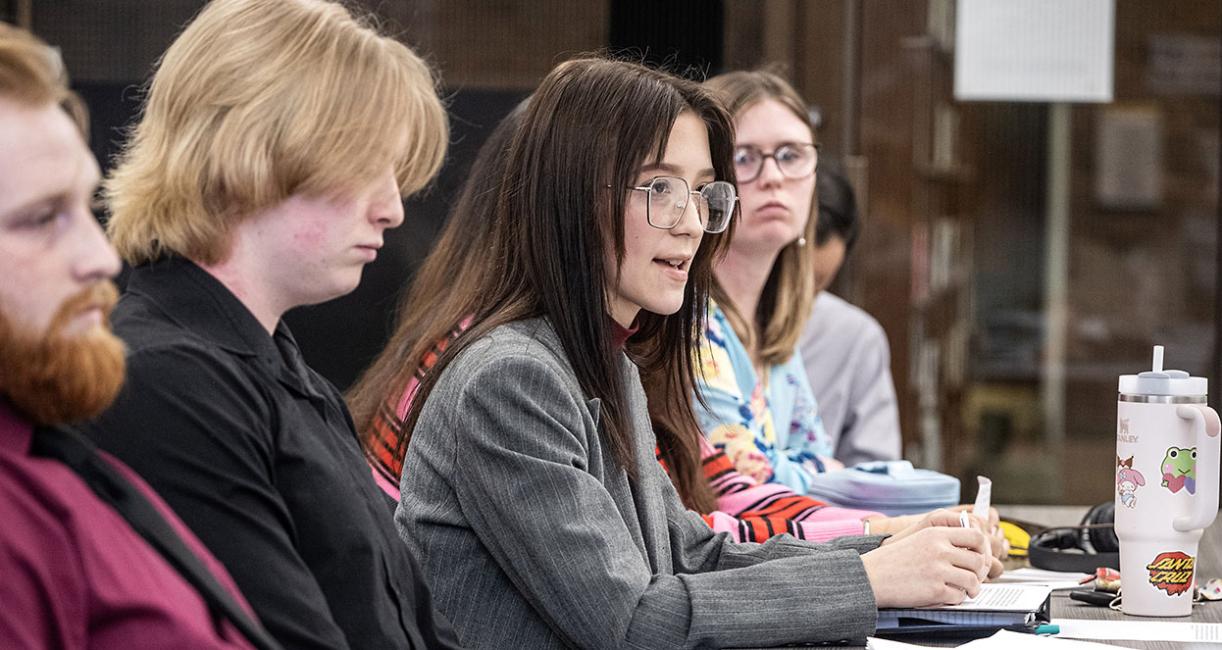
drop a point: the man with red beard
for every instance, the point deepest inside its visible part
(90, 557)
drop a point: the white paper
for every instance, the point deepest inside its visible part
(1034, 50)
(984, 497)
(1003, 640)
(1184, 632)
(1053, 579)
(1019, 641)
(1003, 598)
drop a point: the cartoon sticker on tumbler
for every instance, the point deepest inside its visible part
(1171, 572)
(1180, 469)
(1127, 482)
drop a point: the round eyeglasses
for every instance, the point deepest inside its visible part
(794, 159)
(668, 197)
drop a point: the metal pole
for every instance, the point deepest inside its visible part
(850, 83)
(1056, 278)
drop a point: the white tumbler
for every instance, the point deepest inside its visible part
(1167, 448)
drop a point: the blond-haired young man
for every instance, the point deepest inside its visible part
(276, 143)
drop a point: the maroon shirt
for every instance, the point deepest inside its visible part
(73, 573)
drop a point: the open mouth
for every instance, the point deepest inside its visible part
(676, 263)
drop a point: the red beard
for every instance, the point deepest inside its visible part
(56, 379)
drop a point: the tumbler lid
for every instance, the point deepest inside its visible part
(1163, 382)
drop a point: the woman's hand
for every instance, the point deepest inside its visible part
(910, 524)
(936, 565)
(1001, 545)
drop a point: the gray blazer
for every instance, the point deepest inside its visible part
(531, 536)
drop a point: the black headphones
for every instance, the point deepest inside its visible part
(1082, 548)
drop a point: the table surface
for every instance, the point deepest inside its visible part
(1209, 565)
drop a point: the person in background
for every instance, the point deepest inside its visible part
(844, 349)
(754, 401)
(277, 140)
(78, 568)
(706, 481)
(530, 488)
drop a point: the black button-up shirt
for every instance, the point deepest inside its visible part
(258, 455)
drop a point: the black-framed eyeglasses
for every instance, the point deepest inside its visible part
(668, 197)
(794, 159)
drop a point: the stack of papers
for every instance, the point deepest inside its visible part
(996, 606)
(1053, 579)
(1184, 632)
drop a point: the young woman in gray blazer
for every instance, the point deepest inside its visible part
(530, 489)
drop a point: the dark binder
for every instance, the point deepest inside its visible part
(945, 622)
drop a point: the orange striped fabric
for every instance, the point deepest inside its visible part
(777, 511)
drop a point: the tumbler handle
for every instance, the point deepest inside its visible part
(1205, 428)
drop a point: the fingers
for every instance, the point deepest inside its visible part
(1001, 545)
(968, 549)
(995, 544)
(966, 560)
(954, 585)
(992, 520)
(963, 581)
(996, 568)
(1001, 539)
(941, 517)
(969, 538)
(939, 565)
(949, 595)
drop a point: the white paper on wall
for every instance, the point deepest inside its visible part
(1034, 50)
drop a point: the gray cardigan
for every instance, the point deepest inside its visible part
(531, 536)
(848, 362)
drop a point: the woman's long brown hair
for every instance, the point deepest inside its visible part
(557, 216)
(435, 301)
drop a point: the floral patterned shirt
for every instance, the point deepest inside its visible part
(769, 427)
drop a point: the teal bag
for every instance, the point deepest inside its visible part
(890, 487)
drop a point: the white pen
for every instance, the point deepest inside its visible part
(963, 520)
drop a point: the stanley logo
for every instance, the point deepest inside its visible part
(1171, 572)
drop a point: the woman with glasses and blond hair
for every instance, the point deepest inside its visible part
(758, 407)
(530, 489)
(754, 401)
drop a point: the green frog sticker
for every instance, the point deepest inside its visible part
(1180, 470)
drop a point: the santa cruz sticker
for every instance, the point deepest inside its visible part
(1171, 572)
